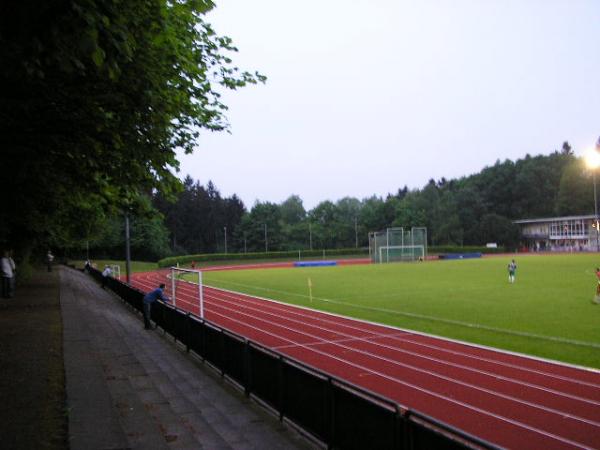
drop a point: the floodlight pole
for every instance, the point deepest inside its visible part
(310, 235)
(200, 296)
(127, 249)
(173, 295)
(596, 211)
(355, 232)
(225, 228)
(266, 242)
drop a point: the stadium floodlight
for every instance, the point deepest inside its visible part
(592, 160)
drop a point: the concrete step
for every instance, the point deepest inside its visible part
(156, 394)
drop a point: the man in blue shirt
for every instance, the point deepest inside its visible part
(149, 299)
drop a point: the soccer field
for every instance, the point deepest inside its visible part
(548, 312)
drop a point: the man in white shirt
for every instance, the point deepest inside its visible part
(49, 259)
(106, 274)
(7, 267)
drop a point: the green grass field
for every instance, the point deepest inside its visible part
(548, 312)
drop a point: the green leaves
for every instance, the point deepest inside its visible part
(97, 96)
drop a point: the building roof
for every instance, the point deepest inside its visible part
(555, 219)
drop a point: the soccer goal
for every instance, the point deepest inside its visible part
(398, 244)
(116, 271)
(186, 289)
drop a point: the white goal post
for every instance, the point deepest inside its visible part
(389, 253)
(116, 271)
(398, 244)
(177, 274)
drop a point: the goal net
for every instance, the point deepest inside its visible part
(187, 290)
(116, 271)
(398, 244)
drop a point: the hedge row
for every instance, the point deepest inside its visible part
(443, 249)
(296, 254)
(310, 254)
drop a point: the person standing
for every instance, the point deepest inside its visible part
(597, 297)
(149, 299)
(512, 270)
(106, 274)
(8, 268)
(49, 259)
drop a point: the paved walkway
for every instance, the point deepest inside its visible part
(129, 388)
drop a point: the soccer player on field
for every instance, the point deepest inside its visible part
(512, 270)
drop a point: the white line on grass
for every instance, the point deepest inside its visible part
(428, 317)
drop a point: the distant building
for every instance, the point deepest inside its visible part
(559, 234)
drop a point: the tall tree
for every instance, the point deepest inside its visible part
(96, 96)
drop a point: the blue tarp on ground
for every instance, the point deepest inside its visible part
(315, 263)
(460, 255)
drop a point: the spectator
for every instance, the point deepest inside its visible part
(106, 274)
(149, 299)
(87, 265)
(49, 259)
(8, 268)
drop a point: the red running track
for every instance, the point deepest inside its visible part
(510, 400)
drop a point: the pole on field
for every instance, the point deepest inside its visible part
(310, 289)
(266, 242)
(200, 296)
(387, 244)
(173, 284)
(127, 249)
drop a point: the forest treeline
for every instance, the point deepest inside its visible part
(471, 210)
(96, 99)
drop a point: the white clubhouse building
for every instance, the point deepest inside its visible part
(559, 234)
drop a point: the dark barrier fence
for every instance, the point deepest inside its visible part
(332, 411)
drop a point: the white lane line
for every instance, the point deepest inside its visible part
(385, 376)
(417, 388)
(430, 318)
(493, 375)
(418, 355)
(286, 307)
(561, 414)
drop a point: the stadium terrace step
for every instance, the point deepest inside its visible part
(132, 388)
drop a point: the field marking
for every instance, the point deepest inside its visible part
(401, 336)
(428, 317)
(350, 339)
(408, 333)
(303, 328)
(476, 409)
(514, 422)
(420, 333)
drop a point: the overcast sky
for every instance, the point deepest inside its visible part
(364, 97)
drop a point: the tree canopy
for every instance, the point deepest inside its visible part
(96, 97)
